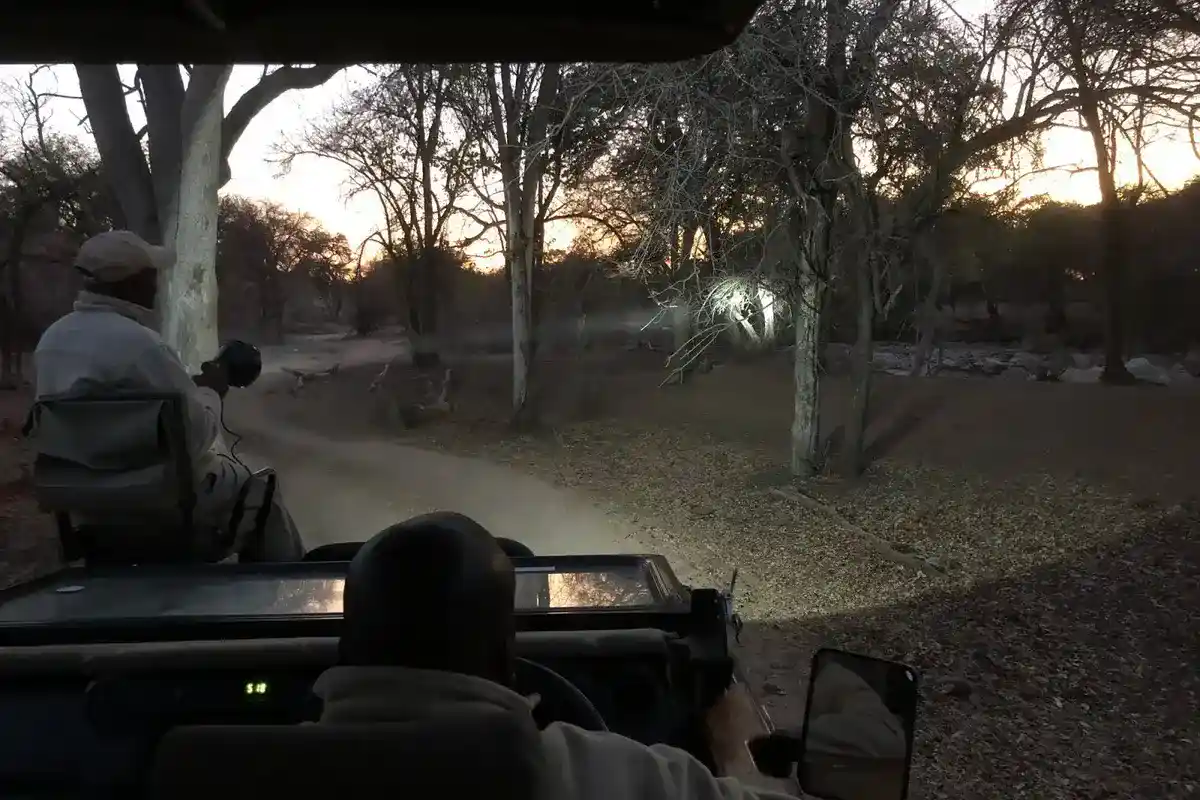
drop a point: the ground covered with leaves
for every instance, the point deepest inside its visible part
(1055, 630)
(1058, 650)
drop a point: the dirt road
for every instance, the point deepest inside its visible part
(348, 490)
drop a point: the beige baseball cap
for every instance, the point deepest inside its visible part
(113, 256)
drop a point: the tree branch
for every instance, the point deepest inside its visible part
(261, 95)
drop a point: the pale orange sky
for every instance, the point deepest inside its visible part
(315, 186)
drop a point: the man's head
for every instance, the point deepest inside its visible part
(123, 265)
(435, 592)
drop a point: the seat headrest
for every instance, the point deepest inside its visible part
(464, 755)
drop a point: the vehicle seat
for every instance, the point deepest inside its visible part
(481, 754)
(115, 472)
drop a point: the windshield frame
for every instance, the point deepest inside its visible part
(671, 602)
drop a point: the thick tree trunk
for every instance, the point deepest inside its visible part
(189, 289)
(807, 456)
(853, 460)
(125, 167)
(190, 141)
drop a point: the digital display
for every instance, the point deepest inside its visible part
(257, 688)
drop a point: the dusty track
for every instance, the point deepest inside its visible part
(348, 490)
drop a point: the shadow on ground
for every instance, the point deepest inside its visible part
(1077, 681)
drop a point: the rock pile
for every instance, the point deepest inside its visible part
(958, 360)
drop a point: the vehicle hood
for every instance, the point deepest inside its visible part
(395, 694)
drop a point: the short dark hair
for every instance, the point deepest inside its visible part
(434, 592)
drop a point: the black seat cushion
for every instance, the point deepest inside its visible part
(485, 754)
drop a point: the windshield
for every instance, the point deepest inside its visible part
(211, 595)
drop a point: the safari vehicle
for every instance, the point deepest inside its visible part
(180, 678)
(143, 664)
(195, 678)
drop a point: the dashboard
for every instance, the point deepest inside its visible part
(65, 734)
(96, 665)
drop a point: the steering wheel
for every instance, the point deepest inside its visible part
(561, 700)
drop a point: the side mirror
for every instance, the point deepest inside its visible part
(857, 738)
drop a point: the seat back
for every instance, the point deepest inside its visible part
(481, 754)
(118, 461)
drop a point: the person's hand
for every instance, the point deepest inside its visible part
(213, 375)
(733, 721)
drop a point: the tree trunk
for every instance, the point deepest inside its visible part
(1056, 300)
(806, 401)
(770, 316)
(1112, 256)
(537, 293)
(125, 167)
(522, 341)
(853, 460)
(189, 289)
(681, 325)
(11, 314)
(681, 334)
(423, 308)
(927, 324)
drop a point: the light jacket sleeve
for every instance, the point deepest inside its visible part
(587, 765)
(160, 367)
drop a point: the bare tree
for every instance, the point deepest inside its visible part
(47, 180)
(263, 248)
(683, 192)
(509, 108)
(167, 191)
(1128, 79)
(396, 138)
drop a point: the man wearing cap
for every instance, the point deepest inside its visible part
(110, 343)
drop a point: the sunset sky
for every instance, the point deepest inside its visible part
(315, 186)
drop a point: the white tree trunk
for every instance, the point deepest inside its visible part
(522, 344)
(770, 312)
(189, 291)
(806, 401)
(681, 327)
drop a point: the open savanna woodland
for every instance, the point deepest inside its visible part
(892, 305)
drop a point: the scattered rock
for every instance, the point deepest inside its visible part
(1030, 362)
(1077, 375)
(1016, 374)
(1147, 371)
(1059, 362)
(994, 366)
